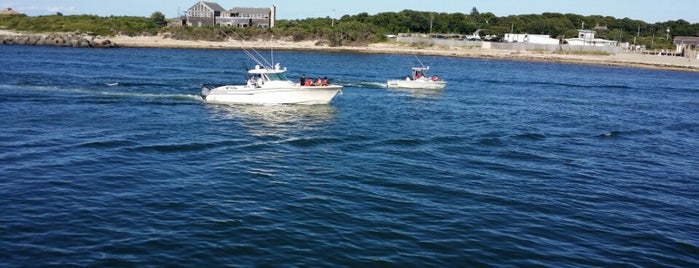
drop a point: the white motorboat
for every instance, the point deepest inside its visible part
(418, 79)
(269, 86)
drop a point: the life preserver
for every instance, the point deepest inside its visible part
(435, 78)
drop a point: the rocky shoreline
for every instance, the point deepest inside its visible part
(57, 39)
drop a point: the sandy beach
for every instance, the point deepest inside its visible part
(628, 59)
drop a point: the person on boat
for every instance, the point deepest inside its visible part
(251, 81)
(319, 82)
(303, 79)
(407, 78)
(309, 82)
(325, 82)
(260, 82)
(417, 74)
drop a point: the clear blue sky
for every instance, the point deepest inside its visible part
(648, 11)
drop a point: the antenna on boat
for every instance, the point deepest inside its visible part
(418, 60)
(271, 49)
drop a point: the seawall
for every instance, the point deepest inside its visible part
(57, 39)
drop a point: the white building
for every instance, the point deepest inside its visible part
(530, 38)
(587, 38)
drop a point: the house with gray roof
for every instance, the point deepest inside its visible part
(249, 17)
(203, 14)
(687, 46)
(210, 14)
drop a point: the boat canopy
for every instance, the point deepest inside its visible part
(421, 69)
(260, 70)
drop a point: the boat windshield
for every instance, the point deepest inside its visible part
(276, 77)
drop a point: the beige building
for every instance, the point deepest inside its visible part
(9, 11)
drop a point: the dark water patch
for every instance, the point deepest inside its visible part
(530, 136)
(582, 86)
(684, 127)
(626, 133)
(446, 139)
(491, 141)
(185, 147)
(313, 141)
(526, 156)
(108, 144)
(402, 142)
(553, 84)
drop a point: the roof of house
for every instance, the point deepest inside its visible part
(250, 10)
(9, 11)
(214, 6)
(692, 40)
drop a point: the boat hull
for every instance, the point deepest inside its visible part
(416, 84)
(281, 95)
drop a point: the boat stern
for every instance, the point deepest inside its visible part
(205, 90)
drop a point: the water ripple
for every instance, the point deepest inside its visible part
(512, 164)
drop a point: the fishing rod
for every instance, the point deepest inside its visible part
(247, 52)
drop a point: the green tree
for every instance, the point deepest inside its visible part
(158, 18)
(474, 13)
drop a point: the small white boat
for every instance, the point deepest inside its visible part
(418, 79)
(269, 85)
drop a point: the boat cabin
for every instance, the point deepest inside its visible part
(419, 72)
(259, 76)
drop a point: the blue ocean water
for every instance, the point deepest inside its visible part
(110, 158)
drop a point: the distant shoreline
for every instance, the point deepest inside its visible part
(632, 60)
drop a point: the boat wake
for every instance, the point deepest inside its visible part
(82, 92)
(152, 95)
(363, 84)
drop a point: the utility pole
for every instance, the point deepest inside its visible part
(332, 25)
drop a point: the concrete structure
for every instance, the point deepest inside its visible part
(530, 38)
(587, 38)
(210, 14)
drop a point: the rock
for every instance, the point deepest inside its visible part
(68, 39)
(82, 42)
